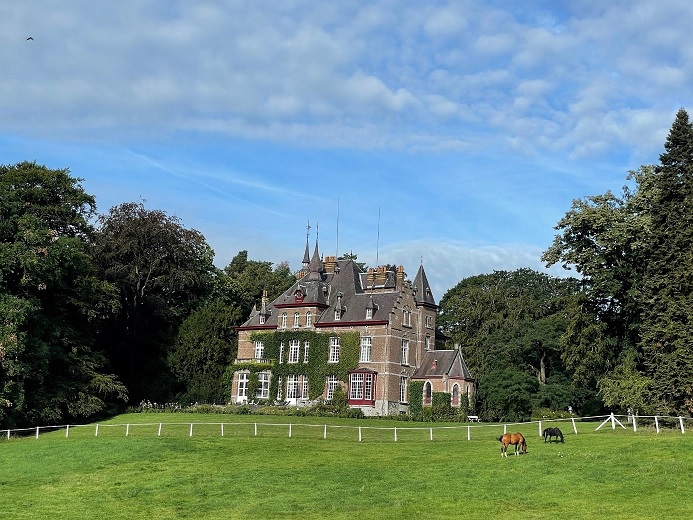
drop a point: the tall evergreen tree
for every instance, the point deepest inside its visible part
(667, 330)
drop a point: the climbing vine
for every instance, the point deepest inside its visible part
(316, 367)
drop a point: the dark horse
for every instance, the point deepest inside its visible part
(553, 432)
(512, 438)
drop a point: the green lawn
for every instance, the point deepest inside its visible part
(594, 474)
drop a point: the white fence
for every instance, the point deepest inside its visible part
(358, 432)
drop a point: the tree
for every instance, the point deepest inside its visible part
(205, 346)
(162, 272)
(667, 336)
(51, 300)
(631, 330)
(509, 320)
(252, 277)
(507, 395)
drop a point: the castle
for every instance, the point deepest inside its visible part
(369, 332)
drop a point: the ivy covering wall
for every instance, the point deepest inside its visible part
(316, 369)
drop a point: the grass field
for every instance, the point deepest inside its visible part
(143, 475)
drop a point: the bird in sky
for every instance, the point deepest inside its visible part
(30, 38)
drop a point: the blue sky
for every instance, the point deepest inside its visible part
(450, 133)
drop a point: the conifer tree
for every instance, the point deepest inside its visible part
(667, 327)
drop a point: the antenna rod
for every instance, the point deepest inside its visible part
(377, 242)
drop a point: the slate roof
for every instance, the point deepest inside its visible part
(439, 363)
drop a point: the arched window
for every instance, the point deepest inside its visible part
(428, 393)
(455, 395)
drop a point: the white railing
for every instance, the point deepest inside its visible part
(223, 427)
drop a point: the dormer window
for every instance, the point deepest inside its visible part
(299, 295)
(369, 313)
(337, 314)
(371, 307)
(262, 319)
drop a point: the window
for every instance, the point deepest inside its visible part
(332, 383)
(294, 347)
(282, 323)
(242, 384)
(429, 322)
(356, 386)
(304, 391)
(259, 350)
(361, 388)
(406, 317)
(281, 352)
(369, 313)
(405, 352)
(292, 386)
(263, 379)
(337, 314)
(366, 349)
(309, 319)
(428, 343)
(262, 319)
(306, 348)
(296, 321)
(402, 389)
(334, 351)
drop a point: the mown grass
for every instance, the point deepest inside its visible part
(594, 474)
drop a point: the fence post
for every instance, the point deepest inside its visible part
(127, 430)
(656, 424)
(635, 427)
(539, 428)
(681, 423)
(469, 433)
(255, 429)
(222, 429)
(8, 434)
(359, 434)
(96, 434)
(574, 428)
(67, 431)
(431, 433)
(191, 425)
(324, 432)
(37, 432)
(505, 428)
(395, 433)
(158, 434)
(289, 430)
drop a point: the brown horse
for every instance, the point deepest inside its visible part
(512, 438)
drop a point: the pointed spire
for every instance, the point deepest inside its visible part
(316, 267)
(422, 289)
(306, 255)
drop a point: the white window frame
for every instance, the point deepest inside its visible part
(369, 313)
(281, 352)
(292, 386)
(429, 322)
(294, 349)
(335, 344)
(337, 314)
(366, 346)
(243, 385)
(405, 352)
(262, 319)
(306, 349)
(296, 320)
(282, 324)
(309, 319)
(406, 317)
(259, 350)
(304, 392)
(263, 379)
(403, 389)
(356, 383)
(332, 383)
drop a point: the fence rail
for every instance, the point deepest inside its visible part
(393, 432)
